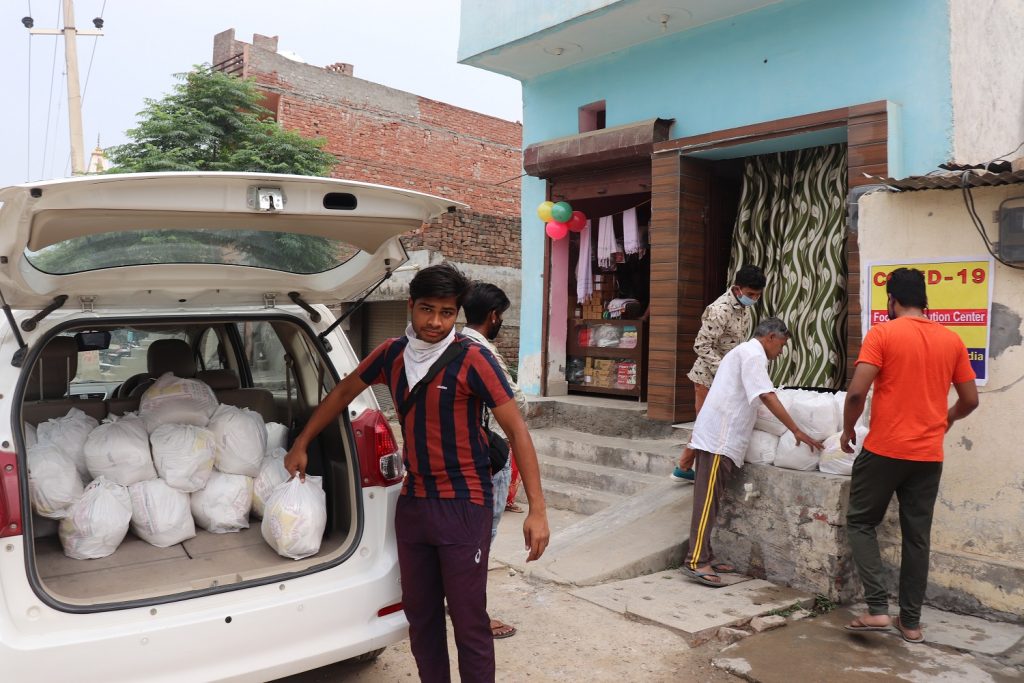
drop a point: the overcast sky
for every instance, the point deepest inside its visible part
(406, 44)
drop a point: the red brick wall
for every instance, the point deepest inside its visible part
(470, 237)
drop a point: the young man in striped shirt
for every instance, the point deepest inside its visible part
(443, 519)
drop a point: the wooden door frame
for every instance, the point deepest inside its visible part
(867, 138)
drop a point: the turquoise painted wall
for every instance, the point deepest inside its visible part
(793, 59)
(487, 24)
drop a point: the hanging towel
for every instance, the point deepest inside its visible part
(630, 233)
(605, 241)
(584, 277)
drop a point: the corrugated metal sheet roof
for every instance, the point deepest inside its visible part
(951, 180)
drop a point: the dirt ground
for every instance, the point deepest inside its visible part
(560, 638)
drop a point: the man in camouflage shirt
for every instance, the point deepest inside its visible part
(725, 324)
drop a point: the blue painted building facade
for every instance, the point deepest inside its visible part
(737, 78)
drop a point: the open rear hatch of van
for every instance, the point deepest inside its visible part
(185, 245)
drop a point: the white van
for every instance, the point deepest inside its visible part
(110, 281)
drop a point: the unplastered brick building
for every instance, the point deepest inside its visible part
(391, 137)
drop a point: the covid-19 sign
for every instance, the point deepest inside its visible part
(959, 297)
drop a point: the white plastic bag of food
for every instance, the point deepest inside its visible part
(272, 473)
(119, 450)
(31, 439)
(295, 518)
(241, 440)
(175, 400)
(98, 522)
(223, 505)
(791, 455)
(54, 484)
(161, 515)
(815, 413)
(183, 455)
(761, 448)
(69, 434)
(834, 460)
(766, 422)
(277, 436)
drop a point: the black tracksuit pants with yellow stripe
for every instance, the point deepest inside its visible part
(713, 471)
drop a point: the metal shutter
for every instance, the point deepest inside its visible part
(384, 320)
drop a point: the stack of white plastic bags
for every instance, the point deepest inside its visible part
(182, 461)
(820, 416)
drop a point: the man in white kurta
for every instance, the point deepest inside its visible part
(721, 434)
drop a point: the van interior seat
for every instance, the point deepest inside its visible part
(46, 395)
(163, 356)
(227, 389)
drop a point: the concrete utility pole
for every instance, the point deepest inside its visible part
(74, 91)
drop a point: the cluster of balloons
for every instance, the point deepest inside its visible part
(559, 219)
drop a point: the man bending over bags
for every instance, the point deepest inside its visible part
(721, 433)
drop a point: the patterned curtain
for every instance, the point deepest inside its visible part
(792, 223)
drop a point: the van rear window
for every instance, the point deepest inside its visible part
(283, 251)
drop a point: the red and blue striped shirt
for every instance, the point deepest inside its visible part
(446, 450)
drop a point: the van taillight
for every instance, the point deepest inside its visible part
(10, 499)
(380, 462)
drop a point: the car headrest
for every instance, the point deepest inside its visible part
(56, 366)
(219, 380)
(171, 355)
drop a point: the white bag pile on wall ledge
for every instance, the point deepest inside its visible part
(161, 515)
(272, 473)
(241, 440)
(223, 505)
(295, 518)
(98, 522)
(119, 450)
(762, 448)
(69, 434)
(54, 484)
(175, 400)
(834, 460)
(184, 455)
(795, 456)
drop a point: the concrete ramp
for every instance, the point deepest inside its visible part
(642, 534)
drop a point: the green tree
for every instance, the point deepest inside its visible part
(210, 122)
(215, 122)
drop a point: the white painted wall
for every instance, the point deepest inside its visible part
(987, 66)
(978, 531)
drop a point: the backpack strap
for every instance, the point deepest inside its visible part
(454, 350)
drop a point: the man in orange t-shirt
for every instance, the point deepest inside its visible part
(912, 362)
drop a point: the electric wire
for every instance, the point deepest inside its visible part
(49, 100)
(965, 189)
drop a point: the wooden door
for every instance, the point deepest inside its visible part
(680, 208)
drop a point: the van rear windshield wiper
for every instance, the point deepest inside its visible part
(19, 355)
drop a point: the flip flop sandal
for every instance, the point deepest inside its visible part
(512, 507)
(503, 631)
(858, 625)
(702, 577)
(903, 632)
(724, 568)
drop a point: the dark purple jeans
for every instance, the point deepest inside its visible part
(443, 547)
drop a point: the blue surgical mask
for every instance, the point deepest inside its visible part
(746, 300)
